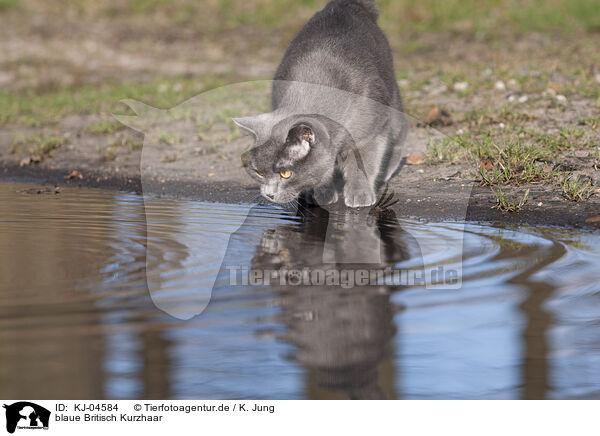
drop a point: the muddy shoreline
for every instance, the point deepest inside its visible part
(432, 200)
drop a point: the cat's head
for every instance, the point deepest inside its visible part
(290, 155)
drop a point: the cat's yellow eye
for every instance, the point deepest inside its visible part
(285, 174)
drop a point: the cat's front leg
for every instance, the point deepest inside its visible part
(358, 194)
(325, 195)
(359, 179)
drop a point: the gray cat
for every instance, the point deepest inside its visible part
(336, 123)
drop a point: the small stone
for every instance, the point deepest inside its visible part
(523, 99)
(513, 84)
(403, 83)
(502, 125)
(551, 92)
(511, 98)
(540, 204)
(461, 86)
(598, 77)
(561, 98)
(500, 86)
(435, 87)
(163, 87)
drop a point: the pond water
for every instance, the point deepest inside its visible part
(111, 295)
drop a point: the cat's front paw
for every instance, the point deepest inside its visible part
(324, 197)
(359, 197)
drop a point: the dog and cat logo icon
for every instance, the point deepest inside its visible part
(26, 415)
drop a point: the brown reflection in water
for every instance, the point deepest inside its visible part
(342, 336)
(534, 366)
(50, 343)
(156, 364)
(535, 372)
(52, 329)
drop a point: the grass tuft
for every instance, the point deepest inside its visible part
(104, 127)
(39, 146)
(506, 204)
(576, 190)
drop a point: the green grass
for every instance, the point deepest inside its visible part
(7, 5)
(505, 203)
(399, 17)
(576, 190)
(566, 139)
(104, 127)
(31, 108)
(542, 15)
(512, 163)
(168, 138)
(516, 164)
(39, 146)
(444, 150)
(129, 142)
(126, 142)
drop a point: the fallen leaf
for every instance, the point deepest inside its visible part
(415, 160)
(593, 220)
(487, 164)
(74, 175)
(436, 117)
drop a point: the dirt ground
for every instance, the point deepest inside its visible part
(540, 90)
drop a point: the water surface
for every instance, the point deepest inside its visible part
(79, 317)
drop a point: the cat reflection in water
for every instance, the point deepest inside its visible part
(342, 336)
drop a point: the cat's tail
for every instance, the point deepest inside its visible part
(369, 6)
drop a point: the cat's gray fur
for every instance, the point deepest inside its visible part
(337, 121)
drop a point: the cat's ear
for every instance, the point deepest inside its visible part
(302, 134)
(254, 126)
(301, 138)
